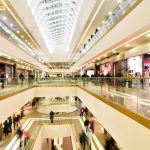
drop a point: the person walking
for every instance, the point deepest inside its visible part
(83, 140)
(86, 124)
(52, 145)
(92, 125)
(6, 128)
(81, 111)
(10, 124)
(19, 134)
(86, 112)
(2, 76)
(21, 77)
(25, 135)
(52, 116)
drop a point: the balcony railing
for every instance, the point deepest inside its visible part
(131, 93)
(119, 11)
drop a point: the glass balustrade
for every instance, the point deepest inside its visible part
(119, 11)
(131, 93)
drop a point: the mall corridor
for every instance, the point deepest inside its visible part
(74, 74)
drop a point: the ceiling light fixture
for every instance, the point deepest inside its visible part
(98, 27)
(129, 41)
(127, 45)
(110, 13)
(119, 1)
(88, 26)
(11, 25)
(4, 3)
(103, 22)
(22, 36)
(148, 35)
(5, 18)
(18, 31)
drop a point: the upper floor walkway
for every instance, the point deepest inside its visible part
(117, 103)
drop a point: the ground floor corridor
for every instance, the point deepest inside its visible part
(66, 110)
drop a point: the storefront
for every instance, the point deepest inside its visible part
(147, 65)
(8, 68)
(105, 69)
(120, 68)
(135, 66)
(25, 70)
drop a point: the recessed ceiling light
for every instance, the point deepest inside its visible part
(110, 13)
(148, 35)
(119, 1)
(98, 27)
(103, 22)
(29, 43)
(11, 25)
(22, 36)
(127, 45)
(5, 18)
(18, 31)
(114, 51)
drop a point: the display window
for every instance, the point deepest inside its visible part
(134, 65)
(147, 64)
(120, 68)
(90, 72)
(105, 68)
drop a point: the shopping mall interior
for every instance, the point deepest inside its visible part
(74, 74)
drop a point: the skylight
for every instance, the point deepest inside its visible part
(56, 20)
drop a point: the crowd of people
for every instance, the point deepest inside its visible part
(13, 124)
(30, 78)
(85, 137)
(12, 120)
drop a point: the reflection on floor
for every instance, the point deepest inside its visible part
(63, 143)
(33, 113)
(136, 100)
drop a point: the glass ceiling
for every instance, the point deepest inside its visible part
(56, 20)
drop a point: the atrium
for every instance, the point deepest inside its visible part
(74, 74)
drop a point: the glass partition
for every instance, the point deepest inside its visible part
(131, 93)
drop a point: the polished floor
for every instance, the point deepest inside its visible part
(136, 100)
(74, 116)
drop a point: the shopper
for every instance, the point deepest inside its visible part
(110, 144)
(21, 77)
(19, 134)
(10, 124)
(83, 140)
(21, 112)
(81, 111)
(52, 116)
(86, 124)
(25, 136)
(92, 125)
(52, 144)
(86, 112)
(6, 128)
(2, 77)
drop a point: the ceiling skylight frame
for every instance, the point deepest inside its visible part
(54, 18)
